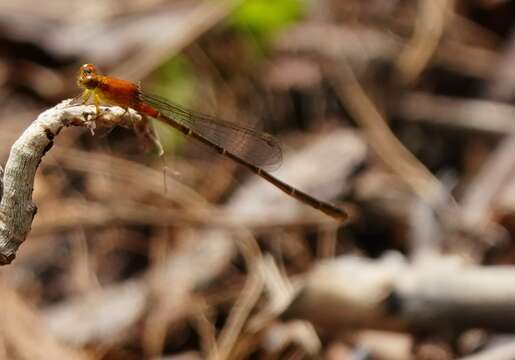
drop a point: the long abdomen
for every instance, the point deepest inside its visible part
(303, 197)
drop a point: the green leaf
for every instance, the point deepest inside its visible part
(264, 18)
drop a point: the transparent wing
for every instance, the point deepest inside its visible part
(258, 148)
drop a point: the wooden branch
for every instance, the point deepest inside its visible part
(382, 139)
(430, 25)
(503, 350)
(484, 116)
(17, 210)
(393, 294)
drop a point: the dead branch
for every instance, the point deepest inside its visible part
(17, 210)
(429, 28)
(364, 45)
(386, 145)
(392, 294)
(490, 117)
(501, 351)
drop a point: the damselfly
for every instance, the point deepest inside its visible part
(253, 149)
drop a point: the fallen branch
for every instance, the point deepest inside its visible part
(17, 210)
(395, 295)
(482, 116)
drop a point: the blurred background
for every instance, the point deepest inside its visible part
(401, 112)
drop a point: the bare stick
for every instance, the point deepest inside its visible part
(429, 27)
(479, 115)
(381, 138)
(17, 210)
(393, 294)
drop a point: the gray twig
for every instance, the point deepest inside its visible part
(17, 210)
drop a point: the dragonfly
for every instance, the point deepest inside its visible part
(253, 149)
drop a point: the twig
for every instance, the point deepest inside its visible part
(420, 49)
(479, 198)
(386, 145)
(17, 210)
(426, 235)
(364, 46)
(248, 298)
(501, 86)
(174, 36)
(490, 117)
(204, 324)
(392, 294)
(502, 351)
(239, 314)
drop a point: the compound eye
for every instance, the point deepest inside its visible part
(88, 69)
